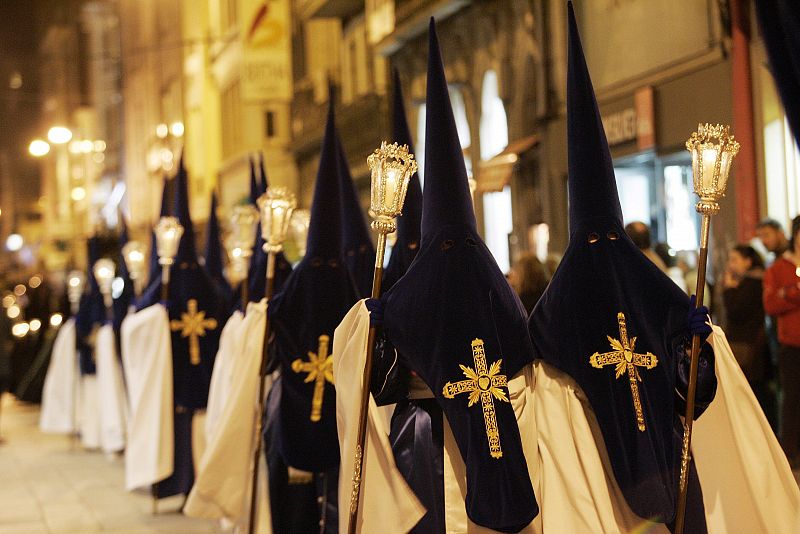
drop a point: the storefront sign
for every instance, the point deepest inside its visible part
(267, 50)
(635, 123)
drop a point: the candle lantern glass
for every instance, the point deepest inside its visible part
(168, 237)
(277, 206)
(104, 271)
(135, 257)
(391, 168)
(243, 229)
(76, 281)
(713, 149)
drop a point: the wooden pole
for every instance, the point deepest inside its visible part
(270, 286)
(365, 392)
(691, 393)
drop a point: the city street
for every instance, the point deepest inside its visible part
(50, 485)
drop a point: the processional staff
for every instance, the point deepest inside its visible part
(240, 246)
(713, 150)
(392, 167)
(276, 206)
(133, 252)
(168, 236)
(104, 270)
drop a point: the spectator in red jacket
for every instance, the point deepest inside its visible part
(782, 301)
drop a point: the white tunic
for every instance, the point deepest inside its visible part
(746, 481)
(230, 348)
(60, 393)
(112, 401)
(222, 486)
(147, 361)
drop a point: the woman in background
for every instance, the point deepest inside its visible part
(744, 309)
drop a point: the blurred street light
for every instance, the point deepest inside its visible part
(176, 129)
(14, 242)
(162, 131)
(39, 148)
(78, 194)
(58, 135)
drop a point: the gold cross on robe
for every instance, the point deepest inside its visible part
(485, 385)
(626, 360)
(320, 369)
(193, 324)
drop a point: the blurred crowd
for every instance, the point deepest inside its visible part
(34, 305)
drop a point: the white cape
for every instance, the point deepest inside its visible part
(747, 483)
(60, 393)
(147, 361)
(89, 412)
(746, 480)
(387, 503)
(231, 346)
(112, 402)
(222, 486)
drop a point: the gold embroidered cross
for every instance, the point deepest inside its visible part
(626, 360)
(193, 324)
(320, 369)
(485, 385)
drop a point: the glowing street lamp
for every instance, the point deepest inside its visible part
(59, 135)
(39, 148)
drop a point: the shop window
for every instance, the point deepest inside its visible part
(634, 194)
(679, 198)
(782, 161)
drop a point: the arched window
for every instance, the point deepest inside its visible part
(497, 217)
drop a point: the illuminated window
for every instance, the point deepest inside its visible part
(494, 123)
(497, 209)
(682, 228)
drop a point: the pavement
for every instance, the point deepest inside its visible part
(50, 485)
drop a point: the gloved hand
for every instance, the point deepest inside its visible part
(697, 320)
(375, 307)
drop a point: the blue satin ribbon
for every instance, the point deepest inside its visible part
(417, 438)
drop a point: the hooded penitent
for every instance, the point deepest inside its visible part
(197, 310)
(214, 264)
(614, 322)
(458, 324)
(359, 253)
(303, 316)
(123, 301)
(408, 232)
(91, 311)
(257, 273)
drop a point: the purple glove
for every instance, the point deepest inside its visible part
(375, 307)
(698, 320)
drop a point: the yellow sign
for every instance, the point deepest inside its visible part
(267, 51)
(625, 359)
(486, 385)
